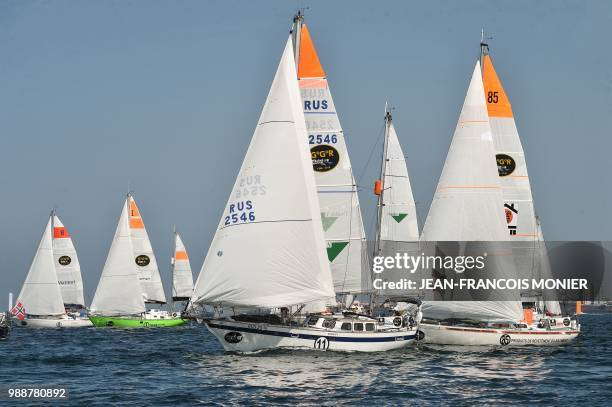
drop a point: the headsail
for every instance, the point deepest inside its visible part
(275, 197)
(67, 265)
(119, 291)
(40, 293)
(336, 186)
(398, 221)
(523, 226)
(148, 272)
(182, 279)
(466, 204)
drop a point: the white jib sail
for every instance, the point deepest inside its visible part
(119, 291)
(40, 293)
(182, 278)
(67, 265)
(144, 258)
(336, 186)
(399, 218)
(519, 207)
(466, 204)
(269, 249)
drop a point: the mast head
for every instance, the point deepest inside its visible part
(484, 44)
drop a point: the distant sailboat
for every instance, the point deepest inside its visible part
(336, 186)
(182, 278)
(523, 226)
(130, 278)
(467, 208)
(53, 284)
(268, 253)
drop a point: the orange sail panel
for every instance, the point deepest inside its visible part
(60, 232)
(309, 65)
(135, 219)
(498, 104)
(181, 255)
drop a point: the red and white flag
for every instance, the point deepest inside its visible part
(19, 311)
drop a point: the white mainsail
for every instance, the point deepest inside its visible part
(269, 250)
(67, 265)
(466, 204)
(119, 291)
(523, 227)
(148, 272)
(40, 293)
(398, 221)
(182, 278)
(336, 186)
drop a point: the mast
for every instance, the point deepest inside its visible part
(484, 47)
(379, 189)
(296, 31)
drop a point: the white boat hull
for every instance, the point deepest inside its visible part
(251, 337)
(54, 323)
(456, 335)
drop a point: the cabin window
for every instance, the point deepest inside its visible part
(346, 326)
(358, 326)
(329, 323)
(370, 327)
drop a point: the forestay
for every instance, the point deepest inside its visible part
(268, 250)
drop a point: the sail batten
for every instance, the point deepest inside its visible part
(275, 186)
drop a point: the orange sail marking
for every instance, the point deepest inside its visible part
(60, 232)
(135, 219)
(181, 255)
(498, 104)
(309, 65)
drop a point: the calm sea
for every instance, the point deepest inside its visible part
(187, 366)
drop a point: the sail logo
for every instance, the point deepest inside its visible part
(511, 217)
(142, 260)
(316, 105)
(334, 249)
(505, 164)
(324, 158)
(399, 216)
(64, 260)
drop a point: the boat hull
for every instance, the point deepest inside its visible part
(251, 337)
(54, 323)
(126, 322)
(455, 335)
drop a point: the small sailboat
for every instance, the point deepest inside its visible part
(268, 255)
(130, 279)
(470, 181)
(336, 187)
(5, 325)
(52, 294)
(524, 228)
(182, 278)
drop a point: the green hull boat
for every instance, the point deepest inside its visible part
(127, 322)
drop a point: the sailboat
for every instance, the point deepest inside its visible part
(336, 186)
(182, 278)
(524, 228)
(467, 208)
(268, 255)
(52, 293)
(130, 279)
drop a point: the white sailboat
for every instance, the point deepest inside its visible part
(53, 284)
(336, 186)
(130, 279)
(182, 278)
(268, 252)
(523, 226)
(467, 208)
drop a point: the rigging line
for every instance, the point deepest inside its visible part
(372, 150)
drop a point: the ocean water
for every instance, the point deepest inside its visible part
(187, 366)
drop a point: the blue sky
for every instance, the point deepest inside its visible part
(164, 96)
